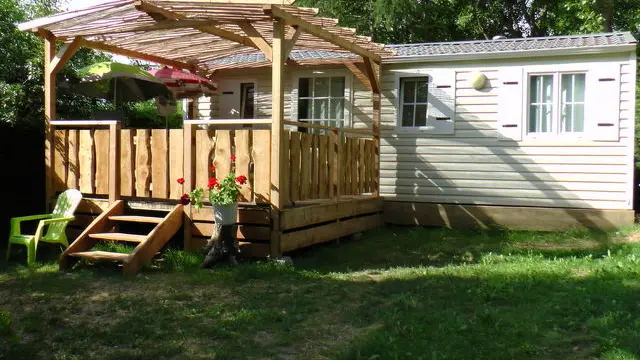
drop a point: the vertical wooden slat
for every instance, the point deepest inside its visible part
(127, 155)
(101, 140)
(285, 184)
(60, 159)
(243, 159)
(365, 163)
(143, 163)
(348, 161)
(87, 162)
(278, 158)
(49, 115)
(323, 171)
(188, 174)
(261, 155)
(203, 159)
(333, 162)
(315, 167)
(176, 163)
(294, 169)
(376, 137)
(306, 168)
(159, 164)
(114, 162)
(355, 154)
(222, 158)
(73, 170)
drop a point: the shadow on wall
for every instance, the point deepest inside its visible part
(474, 166)
(22, 181)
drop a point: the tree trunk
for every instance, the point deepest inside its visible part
(222, 245)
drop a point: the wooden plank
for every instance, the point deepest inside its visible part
(204, 145)
(261, 154)
(285, 183)
(243, 160)
(159, 164)
(189, 176)
(176, 163)
(347, 159)
(246, 215)
(114, 236)
(355, 158)
(278, 156)
(64, 54)
(114, 162)
(101, 256)
(244, 232)
(137, 219)
(127, 161)
(306, 167)
(222, 157)
(334, 164)
(293, 218)
(303, 238)
(508, 217)
(73, 160)
(361, 166)
(60, 160)
(294, 166)
(87, 162)
(49, 115)
(323, 172)
(256, 38)
(101, 140)
(376, 138)
(143, 163)
(315, 167)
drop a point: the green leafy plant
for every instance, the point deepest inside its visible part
(222, 193)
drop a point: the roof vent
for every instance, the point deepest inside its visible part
(499, 37)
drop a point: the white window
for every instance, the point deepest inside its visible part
(321, 100)
(556, 103)
(414, 99)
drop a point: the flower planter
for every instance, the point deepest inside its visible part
(225, 214)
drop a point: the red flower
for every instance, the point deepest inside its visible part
(241, 179)
(184, 199)
(212, 183)
(212, 168)
(233, 158)
(181, 181)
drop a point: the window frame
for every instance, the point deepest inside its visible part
(556, 116)
(348, 92)
(415, 103)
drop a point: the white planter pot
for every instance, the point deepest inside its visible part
(225, 215)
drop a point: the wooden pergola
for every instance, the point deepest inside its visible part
(194, 35)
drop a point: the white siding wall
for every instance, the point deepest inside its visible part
(475, 165)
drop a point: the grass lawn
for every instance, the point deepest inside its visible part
(397, 293)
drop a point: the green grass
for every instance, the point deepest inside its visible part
(397, 293)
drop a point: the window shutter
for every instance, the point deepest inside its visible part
(603, 102)
(442, 102)
(510, 101)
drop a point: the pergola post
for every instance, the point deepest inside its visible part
(278, 157)
(377, 72)
(49, 114)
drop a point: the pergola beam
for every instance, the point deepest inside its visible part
(158, 26)
(138, 55)
(291, 42)
(64, 54)
(372, 74)
(160, 14)
(256, 38)
(321, 33)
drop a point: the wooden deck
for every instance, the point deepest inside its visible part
(328, 191)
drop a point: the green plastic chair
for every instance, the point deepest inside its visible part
(55, 222)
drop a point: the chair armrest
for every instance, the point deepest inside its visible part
(51, 221)
(15, 222)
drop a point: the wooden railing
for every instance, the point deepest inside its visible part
(329, 163)
(148, 162)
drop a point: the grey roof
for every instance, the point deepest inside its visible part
(462, 47)
(514, 45)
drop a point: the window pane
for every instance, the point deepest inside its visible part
(321, 87)
(337, 87)
(578, 118)
(304, 86)
(423, 90)
(566, 89)
(321, 109)
(337, 109)
(421, 115)
(304, 109)
(408, 91)
(547, 88)
(545, 120)
(534, 89)
(407, 115)
(533, 118)
(579, 87)
(567, 116)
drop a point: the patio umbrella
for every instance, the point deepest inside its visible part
(120, 82)
(184, 84)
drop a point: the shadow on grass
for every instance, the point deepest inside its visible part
(505, 301)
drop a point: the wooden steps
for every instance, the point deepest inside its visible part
(101, 255)
(114, 236)
(103, 229)
(137, 219)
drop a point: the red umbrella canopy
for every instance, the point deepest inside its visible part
(184, 84)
